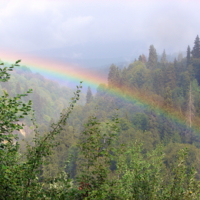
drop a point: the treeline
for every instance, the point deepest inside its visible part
(163, 85)
(170, 80)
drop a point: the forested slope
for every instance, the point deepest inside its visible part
(138, 137)
(49, 97)
(157, 101)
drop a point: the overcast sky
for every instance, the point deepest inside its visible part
(97, 29)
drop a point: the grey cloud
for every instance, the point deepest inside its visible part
(82, 28)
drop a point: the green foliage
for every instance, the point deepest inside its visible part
(196, 48)
(19, 180)
(114, 77)
(141, 121)
(4, 75)
(137, 74)
(168, 98)
(96, 151)
(138, 176)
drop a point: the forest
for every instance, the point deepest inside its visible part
(136, 138)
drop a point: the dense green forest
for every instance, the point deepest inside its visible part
(137, 138)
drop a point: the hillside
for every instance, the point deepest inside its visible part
(138, 137)
(49, 97)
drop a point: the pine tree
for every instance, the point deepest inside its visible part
(153, 59)
(188, 55)
(163, 58)
(196, 48)
(195, 60)
(89, 96)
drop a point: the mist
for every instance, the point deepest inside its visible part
(97, 33)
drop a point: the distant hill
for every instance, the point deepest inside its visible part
(49, 97)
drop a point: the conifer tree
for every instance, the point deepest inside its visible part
(89, 96)
(188, 55)
(153, 59)
(163, 58)
(195, 60)
(196, 48)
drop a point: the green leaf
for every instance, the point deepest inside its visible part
(18, 61)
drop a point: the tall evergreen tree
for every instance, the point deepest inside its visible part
(195, 60)
(89, 96)
(153, 59)
(196, 48)
(163, 58)
(188, 55)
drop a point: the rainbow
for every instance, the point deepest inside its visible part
(55, 69)
(76, 74)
